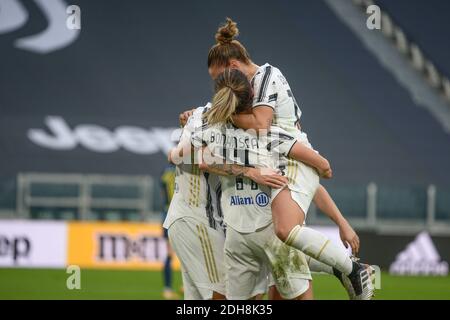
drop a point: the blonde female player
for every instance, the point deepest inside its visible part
(275, 104)
(195, 220)
(195, 226)
(252, 250)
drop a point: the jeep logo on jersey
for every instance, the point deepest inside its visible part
(122, 248)
(262, 199)
(99, 139)
(57, 35)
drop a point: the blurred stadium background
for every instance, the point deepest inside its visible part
(86, 117)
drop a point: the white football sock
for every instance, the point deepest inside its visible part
(315, 244)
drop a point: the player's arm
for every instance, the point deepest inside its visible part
(184, 148)
(177, 154)
(264, 104)
(184, 117)
(259, 119)
(325, 203)
(215, 165)
(302, 153)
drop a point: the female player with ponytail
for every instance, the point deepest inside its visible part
(274, 104)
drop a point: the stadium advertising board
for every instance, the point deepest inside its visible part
(28, 244)
(47, 244)
(50, 244)
(420, 254)
(116, 245)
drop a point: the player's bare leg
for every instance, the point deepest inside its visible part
(218, 296)
(288, 220)
(286, 214)
(274, 294)
(308, 295)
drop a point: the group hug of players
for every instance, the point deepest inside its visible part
(246, 175)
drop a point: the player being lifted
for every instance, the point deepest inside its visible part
(195, 219)
(274, 103)
(292, 275)
(227, 103)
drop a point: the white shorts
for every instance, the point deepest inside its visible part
(251, 257)
(303, 184)
(200, 250)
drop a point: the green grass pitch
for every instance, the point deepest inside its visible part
(107, 284)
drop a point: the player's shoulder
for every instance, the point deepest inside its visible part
(198, 112)
(268, 69)
(196, 119)
(268, 72)
(278, 76)
(204, 108)
(263, 71)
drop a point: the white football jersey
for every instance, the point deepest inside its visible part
(195, 191)
(245, 204)
(272, 89)
(266, 149)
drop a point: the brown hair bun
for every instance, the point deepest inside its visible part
(226, 33)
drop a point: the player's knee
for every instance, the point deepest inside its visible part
(282, 232)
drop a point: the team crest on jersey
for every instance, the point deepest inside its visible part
(262, 199)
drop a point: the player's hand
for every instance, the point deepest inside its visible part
(349, 237)
(325, 170)
(267, 177)
(183, 118)
(327, 174)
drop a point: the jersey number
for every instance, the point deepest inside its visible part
(240, 184)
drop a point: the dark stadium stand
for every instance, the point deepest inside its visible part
(141, 65)
(426, 23)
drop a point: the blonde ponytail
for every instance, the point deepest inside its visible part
(233, 94)
(223, 107)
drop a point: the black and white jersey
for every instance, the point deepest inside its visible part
(197, 193)
(246, 205)
(249, 148)
(272, 89)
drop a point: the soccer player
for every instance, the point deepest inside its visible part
(291, 267)
(252, 250)
(195, 225)
(195, 219)
(275, 103)
(167, 190)
(303, 183)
